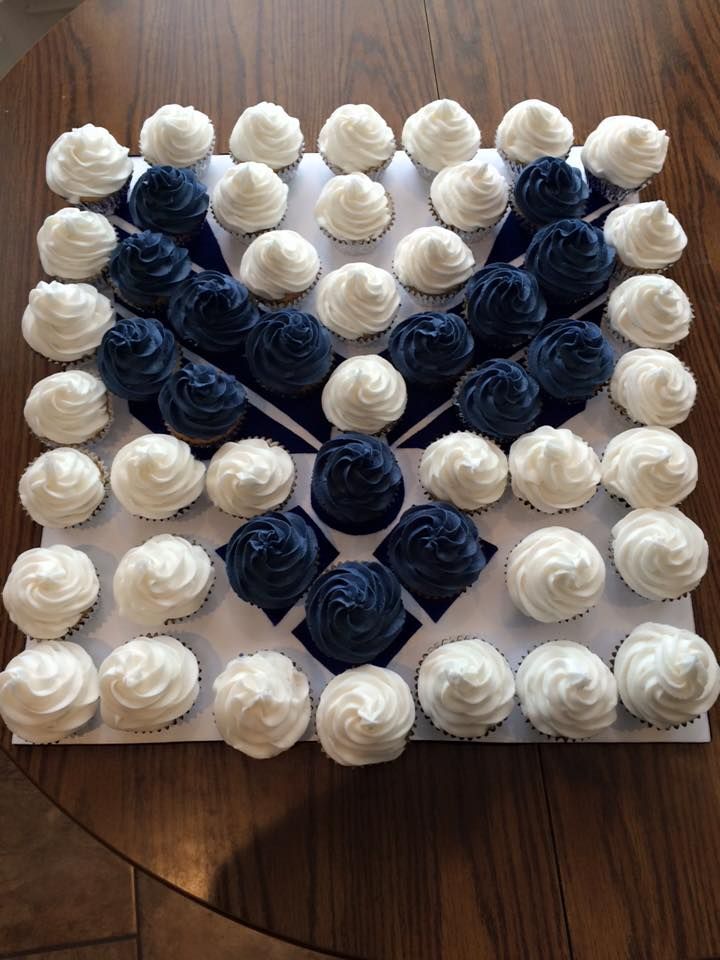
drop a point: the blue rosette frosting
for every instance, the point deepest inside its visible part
(289, 352)
(135, 358)
(550, 189)
(147, 268)
(570, 260)
(499, 398)
(169, 200)
(431, 347)
(212, 312)
(571, 359)
(202, 404)
(504, 306)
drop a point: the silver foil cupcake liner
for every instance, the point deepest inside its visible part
(286, 173)
(244, 236)
(468, 236)
(375, 173)
(105, 205)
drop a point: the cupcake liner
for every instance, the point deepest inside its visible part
(275, 507)
(206, 444)
(99, 280)
(362, 246)
(290, 299)
(105, 205)
(468, 236)
(373, 172)
(424, 171)
(82, 620)
(556, 623)
(366, 337)
(155, 309)
(612, 192)
(554, 513)
(244, 236)
(475, 511)
(286, 173)
(59, 365)
(515, 167)
(432, 299)
(622, 271)
(174, 516)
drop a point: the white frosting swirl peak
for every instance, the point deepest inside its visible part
(279, 263)
(249, 477)
(653, 387)
(356, 138)
(75, 244)
(66, 321)
(62, 487)
(553, 469)
(650, 311)
(67, 408)
(353, 207)
(87, 163)
(625, 151)
(357, 300)
(364, 393)
(156, 475)
(533, 129)
(433, 260)
(646, 235)
(649, 467)
(267, 134)
(470, 196)
(465, 470)
(177, 136)
(440, 134)
(249, 197)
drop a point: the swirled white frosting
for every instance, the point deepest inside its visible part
(48, 691)
(465, 470)
(249, 477)
(470, 196)
(625, 151)
(666, 675)
(147, 683)
(364, 393)
(646, 235)
(649, 467)
(433, 260)
(249, 197)
(553, 469)
(653, 387)
(177, 136)
(87, 163)
(165, 578)
(566, 690)
(267, 134)
(357, 300)
(650, 311)
(356, 138)
(62, 487)
(67, 407)
(262, 704)
(365, 716)
(279, 263)
(353, 207)
(75, 244)
(49, 589)
(465, 687)
(660, 554)
(66, 321)
(156, 475)
(533, 129)
(555, 574)
(440, 134)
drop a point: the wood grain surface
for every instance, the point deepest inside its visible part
(455, 851)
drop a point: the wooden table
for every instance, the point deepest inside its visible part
(455, 851)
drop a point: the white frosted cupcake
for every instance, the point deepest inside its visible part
(267, 134)
(649, 467)
(62, 487)
(364, 393)
(433, 264)
(464, 469)
(48, 691)
(553, 470)
(356, 139)
(87, 166)
(623, 154)
(178, 137)
(65, 322)
(68, 408)
(156, 476)
(438, 135)
(76, 245)
(358, 301)
(646, 237)
(262, 704)
(279, 268)
(249, 477)
(354, 211)
(532, 129)
(249, 199)
(653, 388)
(469, 198)
(649, 311)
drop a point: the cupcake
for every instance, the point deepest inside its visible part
(649, 311)
(354, 211)
(555, 574)
(249, 199)
(65, 322)
(136, 357)
(433, 264)
(147, 683)
(250, 477)
(166, 578)
(660, 554)
(50, 590)
(76, 245)
(289, 352)
(435, 551)
(357, 485)
(358, 301)
(570, 260)
(267, 134)
(431, 348)
(649, 467)
(169, 200)
(499, 398)
(212, 312)
(652, 387)
(156, 476)
(566, 691)
(354, 611)
(530, 130)
(147, 268)
(549, 189)
(202, 405)
(469, 198)
(178, 137)
(48, 691)
(465, 687)
(88, 167)
(666, 676)
(504, 306)
(365, 716)
(570, 359)
(646, 237)
(553, 470)
(280, 268)
(62, 487)
(272, 559)
(465, 470)
(356, 139)
(365, 394)
(623, 154)
(439, 135)
(68, 408)
(262, 704)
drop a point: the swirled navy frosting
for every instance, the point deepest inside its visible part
(357, 485)
(135, 358)
(431, 347)
(435, 550)
(147, 268)
(272, 559)
(289, 351)
(201, 403)
(499, 398)
(169, 200)
(504, 305)
(550, 189)
(212, 311)
(355, 611)
(570, 260)
(571, 359)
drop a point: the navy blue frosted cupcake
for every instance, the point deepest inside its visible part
(147, 268)
(212, 312)
(431, 347)
(357, 485)
(355, 611)
(571, 359)
(549, 189)
(135, 358)
(499, 399)
(202, 405)
(272, 559)
(504, 306)
(570, 260)
(169, 200)
(289, 352)
(435, 550)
